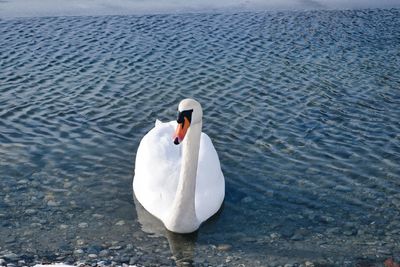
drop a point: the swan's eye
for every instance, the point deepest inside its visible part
(180, 118)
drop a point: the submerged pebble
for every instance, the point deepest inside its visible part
(52, 203)
(10, 257)
(224, 247)
(83, 225)
(30, 211)
(120, 223)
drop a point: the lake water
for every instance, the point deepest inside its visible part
(303, 109)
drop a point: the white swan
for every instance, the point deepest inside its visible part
(182, 185)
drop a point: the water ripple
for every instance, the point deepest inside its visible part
(301, 106)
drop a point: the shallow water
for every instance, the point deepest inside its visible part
(302, 107)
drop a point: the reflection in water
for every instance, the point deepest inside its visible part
(182, 246)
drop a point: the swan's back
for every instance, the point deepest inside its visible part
(157, 169)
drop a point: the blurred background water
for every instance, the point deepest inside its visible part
(302, 107)
(38, 8)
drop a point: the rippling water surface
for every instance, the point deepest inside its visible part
(303, 109)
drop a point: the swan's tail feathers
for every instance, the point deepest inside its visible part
(158, 122)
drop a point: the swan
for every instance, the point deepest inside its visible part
(178, 177)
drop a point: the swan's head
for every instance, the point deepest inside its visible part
(189, 113)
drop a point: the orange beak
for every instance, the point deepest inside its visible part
(181, 130)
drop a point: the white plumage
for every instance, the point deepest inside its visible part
(158, 171)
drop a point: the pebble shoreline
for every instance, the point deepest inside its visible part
(118, 260)
(55, 233)
(129, 256)
(133, 247)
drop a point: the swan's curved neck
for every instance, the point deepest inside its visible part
(182, 216)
